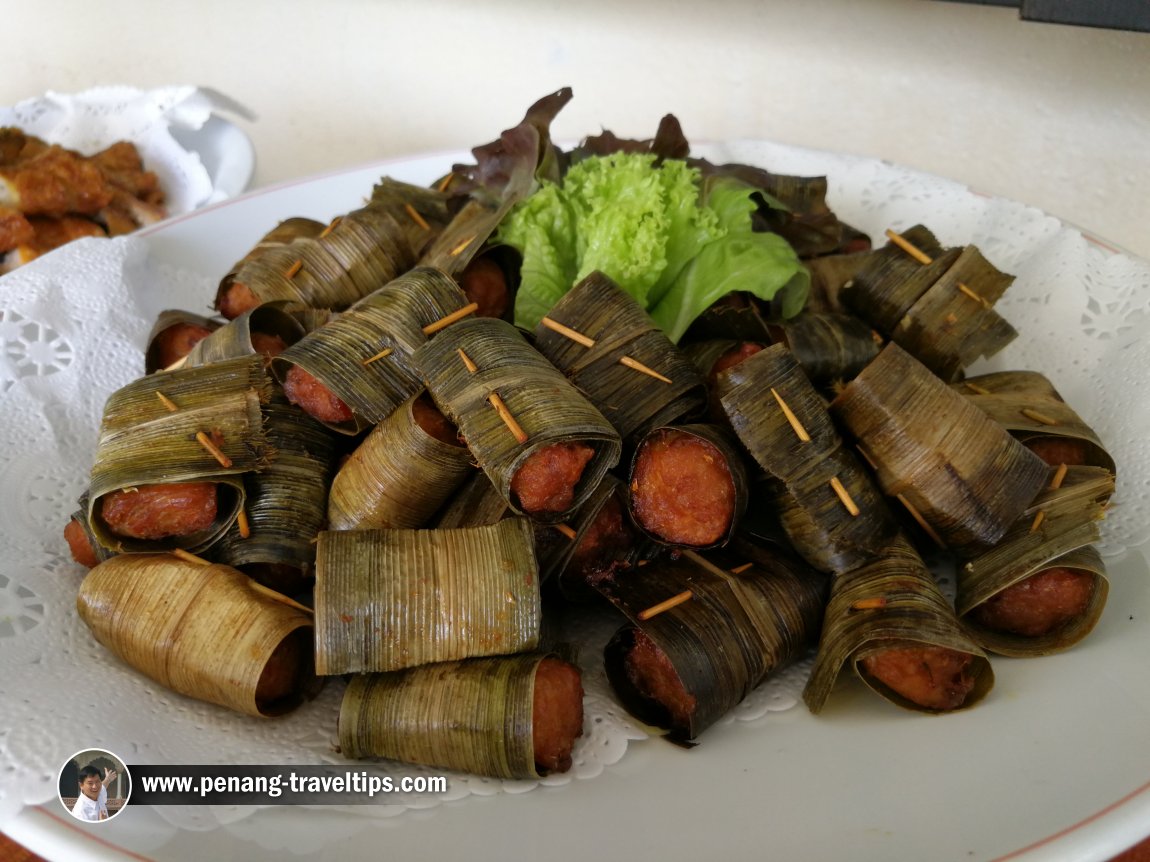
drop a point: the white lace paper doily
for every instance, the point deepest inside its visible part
(72, 330)
(95, 119)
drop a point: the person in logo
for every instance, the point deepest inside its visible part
(92, 804)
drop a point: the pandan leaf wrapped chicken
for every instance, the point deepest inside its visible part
(206, 631)
(889, 621)
(948, 462)
(352, 372)
(704, 631)
(391, 599)
(1027, 405)
(402, 472)
(542, 444)
(83, 545)
(285, 232)
(687, 485)
(829, 506)
(267, 330)
(888, 283)
(506, 717)
(421, 212)
(938, 304)
(598, 540)
(173, 336)
(172, 454)
(273, 541)
(362, 251)
(1042, 588)
(611, 349)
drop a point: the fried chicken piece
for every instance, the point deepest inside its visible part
(108, 194)
(50, 233)
(12, 142)
(14, 228)
(56, 182)
(123, 169)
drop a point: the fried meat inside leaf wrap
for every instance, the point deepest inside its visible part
(942, 312)
(390, 599)
(936, 452)
(687, 666)
(542, 444)
(351, 373)
(506, 717)
(286, 502)
(171, 456)
(1027, 405)
(892, 624)
(267, 331)
(402, 472)
(202, 630)
(687, 486)
(1042, 588)
(622, 334)
(173, 336)
(829, 506)
(362, 251)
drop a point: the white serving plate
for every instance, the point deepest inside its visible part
(1054, 764)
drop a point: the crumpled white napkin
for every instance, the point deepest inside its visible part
(94, 119)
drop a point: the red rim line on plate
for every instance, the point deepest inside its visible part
(70, 824)
(1086, 821)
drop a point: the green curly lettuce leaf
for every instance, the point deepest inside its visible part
(649, 227)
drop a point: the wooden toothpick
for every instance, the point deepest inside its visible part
(387, 351)
(414, 215)
(214, 450)
(666, 605)
(924, 258)
(495, 401)
(467, 361)
(844, 497)
(279, 597)
(449, 319)
(1038, 417)
(332, 226)
(508, 419)
(588, 342)
(1055, 484)
(565, 530)
(799, 430)
(455, 252)
(167, 402)
(189, 557)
